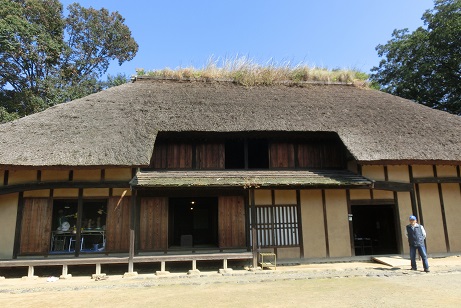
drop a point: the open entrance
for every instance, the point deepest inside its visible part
(374, 229)
(193, 222)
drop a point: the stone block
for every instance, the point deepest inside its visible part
(65, 276)
(130, 274)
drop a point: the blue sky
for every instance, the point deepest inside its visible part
(331, 34)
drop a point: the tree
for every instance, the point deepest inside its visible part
(47, 59)
(425, 65)
(113, 81)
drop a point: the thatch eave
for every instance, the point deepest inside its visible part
(248, 179)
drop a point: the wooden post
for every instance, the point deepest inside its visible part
(30, 272)
(17, 234)
(78, 235)
(98, 268)
(162, 266)
(132, 233)
(64, 270)
(131, 255)
(254, 237)
(225, 264)
(255, 250)
(194, 265)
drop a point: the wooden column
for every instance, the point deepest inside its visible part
(17, 234)
(442, 209)
(253, 228)
(325, 223)
(132, 233)
(300, 223)
(78, 236)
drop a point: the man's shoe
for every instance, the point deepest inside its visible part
(413, 269)
(427, 270)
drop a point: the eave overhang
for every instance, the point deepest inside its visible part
(249, 179)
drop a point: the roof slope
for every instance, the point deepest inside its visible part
(118, 126)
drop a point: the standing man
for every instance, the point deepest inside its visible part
(416, 236)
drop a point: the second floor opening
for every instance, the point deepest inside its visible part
(248, 151)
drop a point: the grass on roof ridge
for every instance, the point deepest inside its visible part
(246, 72)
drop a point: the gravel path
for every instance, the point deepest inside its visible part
(358, 284)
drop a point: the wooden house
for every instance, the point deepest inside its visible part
(304, 170)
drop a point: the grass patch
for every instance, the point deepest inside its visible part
(248, 73)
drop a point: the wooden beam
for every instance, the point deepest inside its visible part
(372, 202)
(438, 180)
(8, 189)
(389, 162)
(124, 260)
(393, 186)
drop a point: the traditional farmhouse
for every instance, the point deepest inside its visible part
(176, 166)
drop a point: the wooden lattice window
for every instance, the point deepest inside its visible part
(277, 226)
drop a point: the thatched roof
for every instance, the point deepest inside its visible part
(118, 127)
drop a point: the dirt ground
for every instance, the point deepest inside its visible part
(346, 284)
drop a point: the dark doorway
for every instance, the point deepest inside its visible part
(193, 222)
(235, 154)
(258, 154)
(374, 229)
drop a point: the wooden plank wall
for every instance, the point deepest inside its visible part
(231, 221)
(180, 156)
(153, 225)
(210, 156)
(36, 226)
(282, 155)
(172, 156)
(118, 224)
(160, 156)
(321, 155)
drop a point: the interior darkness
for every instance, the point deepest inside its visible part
(258, 154)
(235, 154)
(93, 219)
(193, 222)
(64, 210)
(374, 229)
(94, 214)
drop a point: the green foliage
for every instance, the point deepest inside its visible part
(5, 116)
(425, 65)
(113, 81)
(47, 59)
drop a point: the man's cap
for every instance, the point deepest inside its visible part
(412, 217)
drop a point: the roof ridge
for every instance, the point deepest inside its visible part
(135, 78)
